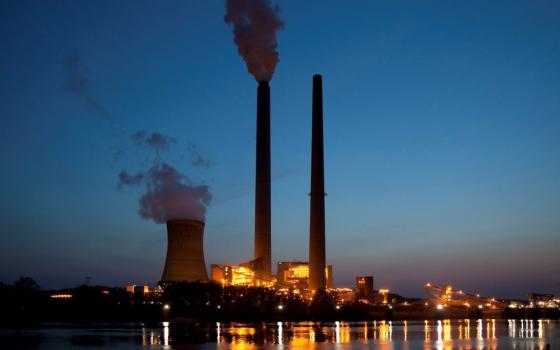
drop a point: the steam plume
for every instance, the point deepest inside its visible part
(167, 197)
(255, 24)
(167, 193)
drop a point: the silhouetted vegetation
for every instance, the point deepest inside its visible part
(24, 304)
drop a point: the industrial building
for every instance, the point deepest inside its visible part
(364, 287)
(238, 275)
(295, 274)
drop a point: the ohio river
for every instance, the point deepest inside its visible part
(428, 334)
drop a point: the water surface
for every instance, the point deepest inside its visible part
(444, 334)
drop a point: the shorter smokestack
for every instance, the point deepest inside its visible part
(317, 260)
(185, 254)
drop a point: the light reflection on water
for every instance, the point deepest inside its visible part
(440, 334)
(428, 334)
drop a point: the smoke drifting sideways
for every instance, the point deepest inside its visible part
(255, 24)
(78, 83)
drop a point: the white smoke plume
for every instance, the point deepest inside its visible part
(167, 197)
(255, 24)
(167, 194)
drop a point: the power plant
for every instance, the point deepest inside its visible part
(185, 255)
(314, 274)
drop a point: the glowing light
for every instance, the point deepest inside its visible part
(439, 307)
(61, 296)
(280, 307)
(299, 271)
(166, 307)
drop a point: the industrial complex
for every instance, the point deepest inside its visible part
(185, 256)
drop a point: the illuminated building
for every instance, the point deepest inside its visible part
(364, 287)
(236, 275)
(384, 292)
(135, 289)
(296, 274)
(544, 300)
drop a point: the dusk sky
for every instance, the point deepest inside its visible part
(441, 121)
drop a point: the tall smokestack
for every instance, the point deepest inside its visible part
(317, 278)
(262, 185)
(185, 255)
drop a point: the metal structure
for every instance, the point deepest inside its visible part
(447, 296)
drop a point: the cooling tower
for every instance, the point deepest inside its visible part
(262, 261)
(317, 278)
(185, 255)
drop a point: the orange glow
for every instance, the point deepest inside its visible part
(61, 296)
(299, 271)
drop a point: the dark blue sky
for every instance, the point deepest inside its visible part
(442, 147)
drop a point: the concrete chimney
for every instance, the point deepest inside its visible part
(317, 278)
(185, 255)
(262, 261)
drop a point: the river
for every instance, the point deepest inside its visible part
(429, 334)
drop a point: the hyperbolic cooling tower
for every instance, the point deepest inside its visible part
(317, 279)
(185, 255)
(262, 260)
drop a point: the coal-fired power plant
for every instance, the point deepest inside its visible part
(262, 258)
(185, 255)
(317, 278)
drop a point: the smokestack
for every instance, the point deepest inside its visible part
(317, 278)
(262, 261)
(185, 255)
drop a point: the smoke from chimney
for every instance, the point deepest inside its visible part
(255, 24)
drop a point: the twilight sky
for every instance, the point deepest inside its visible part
(442, 146)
